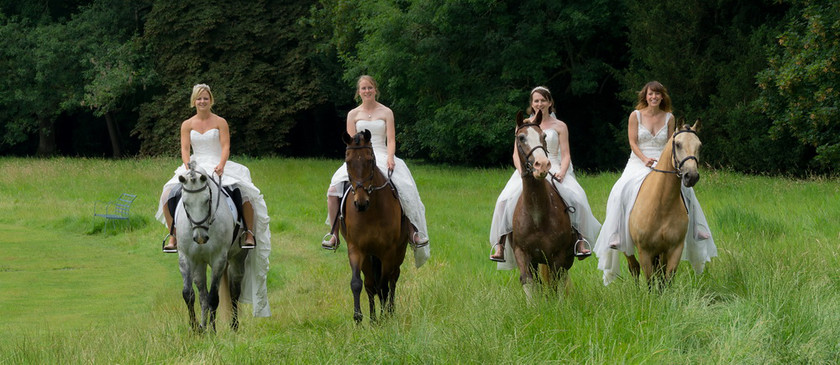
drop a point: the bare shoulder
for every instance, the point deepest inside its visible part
(187, 124)
(219, 121)
(561, 127)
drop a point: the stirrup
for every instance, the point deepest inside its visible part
(327, 245)
(163, 245)
(419, 240)
(498, 259)
(581, 255)
(247, 246)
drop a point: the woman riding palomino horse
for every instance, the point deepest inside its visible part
(209, 136)
(658, 225)
(375, 229)
(648, 129)
(562, 177)
(542, 229)
(379, 120)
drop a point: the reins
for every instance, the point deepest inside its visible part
(677, 165)
(211, 216)
(370, 188)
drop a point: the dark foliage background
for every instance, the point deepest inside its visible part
(113, 77)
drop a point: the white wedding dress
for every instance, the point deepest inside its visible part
(570, 190)
(409, 196)
(620, 202)
(207, 152)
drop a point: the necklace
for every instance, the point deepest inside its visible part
(369, 114)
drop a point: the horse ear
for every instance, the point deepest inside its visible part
(519, 119)
(538, 118)
(346, 138)
(367, 135)
(696, 126)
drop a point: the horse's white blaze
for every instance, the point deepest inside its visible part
(533, 139)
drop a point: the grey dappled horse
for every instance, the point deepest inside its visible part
(205, 231)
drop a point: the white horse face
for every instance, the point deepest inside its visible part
(686, 149)
(530, 144)
(195, 194)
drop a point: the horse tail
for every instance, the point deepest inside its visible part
(224, 312)
(545, 273)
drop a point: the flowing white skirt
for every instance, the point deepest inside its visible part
(571, 192)
(409, 198)
(254, 290)
(619, 204)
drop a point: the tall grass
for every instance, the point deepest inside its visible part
(71, 294)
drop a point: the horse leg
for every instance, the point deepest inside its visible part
(216, 271)
(646, 263)
(200, 281)
(674, 255)
(526, 273)
(188, 293)
(355, 282)
(634, 267)
(235, 272)
(371, 285)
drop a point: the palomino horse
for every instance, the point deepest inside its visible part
(374, 226)
(542, 229)
(659, 220)
(205, 232)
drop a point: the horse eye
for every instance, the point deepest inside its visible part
(678, 144)
(521, 137)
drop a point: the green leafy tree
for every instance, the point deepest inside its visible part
(455, 72)
(257, 56)
(799, 88)
(707, 54)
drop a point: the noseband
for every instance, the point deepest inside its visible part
(210, 217)
(360, 184)
(529, 165)
(677, 165)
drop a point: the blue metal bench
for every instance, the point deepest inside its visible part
(114, 210)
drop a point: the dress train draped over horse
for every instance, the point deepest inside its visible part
(570, 190)
(697, 251)
(207, 152)
(412, 206)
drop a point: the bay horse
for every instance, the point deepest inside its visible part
(659, 218)
(205, 233)
(373, 224)
(542, 228)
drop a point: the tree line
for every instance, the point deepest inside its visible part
(113, 77)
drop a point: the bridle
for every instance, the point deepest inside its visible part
(361, 184)
(529, 165)
(677, 165)
(211, 216)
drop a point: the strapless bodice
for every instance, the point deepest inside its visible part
(378, 137)
(206, 146)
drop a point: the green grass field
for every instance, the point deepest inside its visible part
(71, 294)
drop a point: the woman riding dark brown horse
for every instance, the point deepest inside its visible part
(373, 224)
(542, 230)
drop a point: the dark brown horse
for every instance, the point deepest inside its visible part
(542, 229)
(374, 227)
(659, 220)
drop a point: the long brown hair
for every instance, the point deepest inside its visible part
(665, 104)
(542, 90)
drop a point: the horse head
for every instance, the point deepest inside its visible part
(530, 146)
(361, 167)
(686, 145)
(193, 182)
